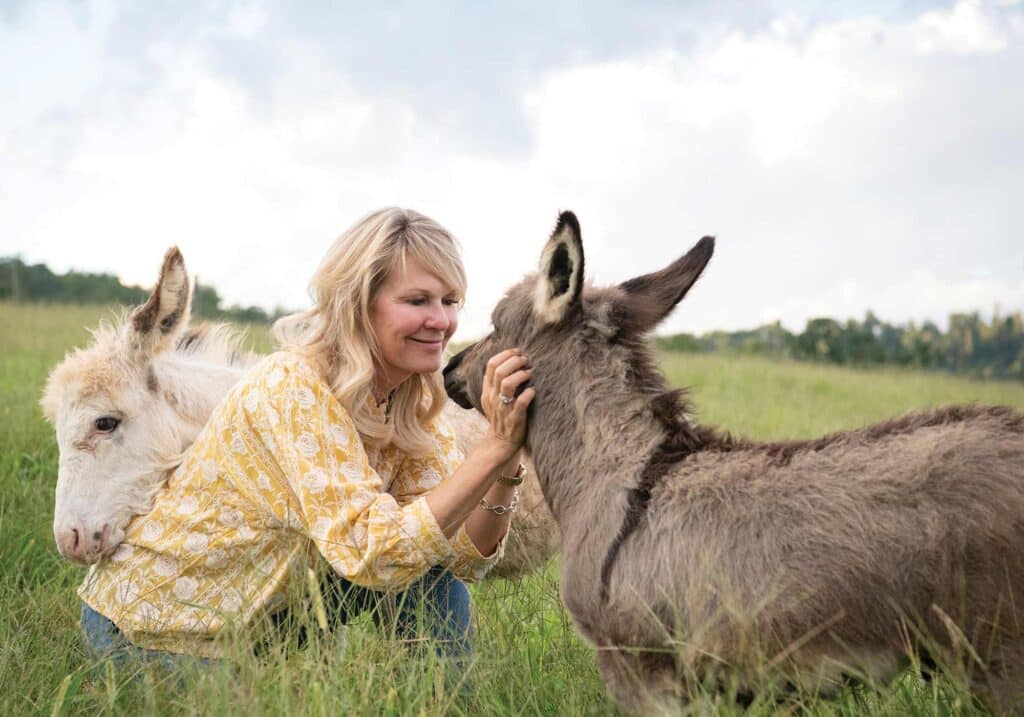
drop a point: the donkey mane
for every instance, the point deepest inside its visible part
(216, 342)
(783, 452)
(104, 362)
(681, 437)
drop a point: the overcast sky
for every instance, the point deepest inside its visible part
(868, 156)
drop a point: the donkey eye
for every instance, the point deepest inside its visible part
(106, 424)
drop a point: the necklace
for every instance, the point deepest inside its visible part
(387, 404)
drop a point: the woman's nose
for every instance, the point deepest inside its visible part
(438, 318)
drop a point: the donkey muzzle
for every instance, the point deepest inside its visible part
(82, 544)
(454, 384)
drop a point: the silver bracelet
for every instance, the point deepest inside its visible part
(500, 510)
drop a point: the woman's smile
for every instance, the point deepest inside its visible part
(414, 314)
(437, 343)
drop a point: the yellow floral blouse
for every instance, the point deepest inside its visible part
(278, 468)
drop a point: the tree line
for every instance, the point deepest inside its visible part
(971, 345)
(37, 283)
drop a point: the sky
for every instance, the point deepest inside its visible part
(847, 156)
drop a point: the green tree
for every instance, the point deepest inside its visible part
(821, 340)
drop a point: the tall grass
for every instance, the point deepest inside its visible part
(528, 658)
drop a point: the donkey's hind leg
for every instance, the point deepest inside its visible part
(641, 682)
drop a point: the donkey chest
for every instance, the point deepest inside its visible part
(638, 620)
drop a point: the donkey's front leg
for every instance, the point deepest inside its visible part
(641, 682)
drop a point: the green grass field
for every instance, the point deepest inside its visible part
(528, 659)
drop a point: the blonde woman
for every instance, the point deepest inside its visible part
(333, 447)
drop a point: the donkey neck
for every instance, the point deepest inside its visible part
(591, 443)
(192, 385)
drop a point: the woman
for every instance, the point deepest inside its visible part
(334, 446)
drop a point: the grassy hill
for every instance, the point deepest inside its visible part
(528, 660)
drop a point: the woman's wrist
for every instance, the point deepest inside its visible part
(502, 494)
(497, 491)
(499, 452)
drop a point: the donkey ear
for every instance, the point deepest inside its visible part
(650, 298)
(561, 271)
(156, 324)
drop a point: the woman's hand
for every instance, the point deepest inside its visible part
(456, 500)
(506, 412)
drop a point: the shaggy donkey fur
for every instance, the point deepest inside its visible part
(690, 556)
(160, 380)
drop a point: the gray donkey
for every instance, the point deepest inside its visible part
(692, 558)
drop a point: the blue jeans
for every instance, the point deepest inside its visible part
(435, 607)
(103, 639)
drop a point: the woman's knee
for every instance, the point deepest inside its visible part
(101, 636)
(439, 607)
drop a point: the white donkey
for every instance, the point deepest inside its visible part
(129, 405)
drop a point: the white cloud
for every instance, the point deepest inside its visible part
(833, 161)
(965, 29)
(248, 19)
(823, 158)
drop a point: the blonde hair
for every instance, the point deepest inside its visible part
(337, 336)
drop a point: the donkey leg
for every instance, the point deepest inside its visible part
(641, 683)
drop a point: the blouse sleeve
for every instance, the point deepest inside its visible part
(360, 528)
(418, 475)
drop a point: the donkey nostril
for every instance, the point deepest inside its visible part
(74, 538)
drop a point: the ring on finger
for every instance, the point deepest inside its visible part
(506, 400)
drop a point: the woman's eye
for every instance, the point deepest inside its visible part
(106, 424)
(417, 302)
(452, 302)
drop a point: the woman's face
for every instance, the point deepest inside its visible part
(413, 316)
